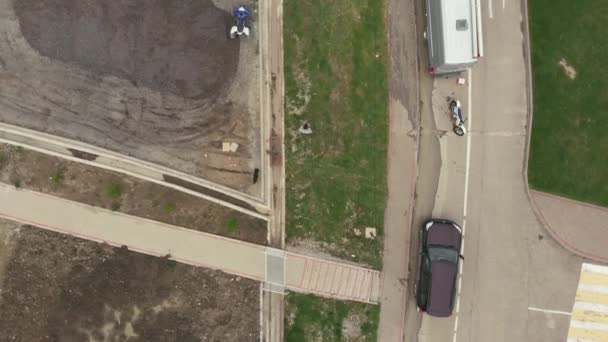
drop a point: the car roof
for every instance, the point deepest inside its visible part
(443, 277)
(444, 234)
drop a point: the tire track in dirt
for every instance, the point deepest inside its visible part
(117, 95)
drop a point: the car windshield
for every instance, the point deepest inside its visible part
(437, 253)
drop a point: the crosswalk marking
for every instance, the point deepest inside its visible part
(591, 297)
(587, 335)
(593, 288)
(588, 325)
(591, 278)
(595, 269)
(331, 279)
(591, 307)
(589, 322)
(589, 316)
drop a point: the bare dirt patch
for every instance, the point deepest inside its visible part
(168, 49)
(158, 80)
(102, 188)
(60, 288)
(568, 69)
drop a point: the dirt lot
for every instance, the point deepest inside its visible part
(60, 288)
(98, 187)
(158, 80)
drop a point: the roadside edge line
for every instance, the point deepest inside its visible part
(557, 312)
(466, 196)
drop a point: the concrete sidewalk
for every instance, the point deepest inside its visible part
(276, 268)
(581, 228)
(138, 234)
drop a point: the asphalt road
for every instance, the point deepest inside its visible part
(512, 273)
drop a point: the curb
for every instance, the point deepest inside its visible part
(563, 242)
(537, 212)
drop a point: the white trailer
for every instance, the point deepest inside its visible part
(453, 33)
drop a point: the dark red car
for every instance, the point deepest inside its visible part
(439, 259)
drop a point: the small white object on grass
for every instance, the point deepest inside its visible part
(370, 233)
(305, 128)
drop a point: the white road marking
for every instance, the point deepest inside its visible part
(590, 307)
(468, 157)
(455, 329)
(588, 325)
(457, 305)
(584, 306)
(593, 288)
(490, 9)
(499, 133)
(557, 312)
(595, 268)
(466, 196)
(503, 4)
(459, 279)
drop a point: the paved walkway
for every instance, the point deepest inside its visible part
(401, 166)
(580, 227)
(138, 234)
(332, 279)
(272, 266)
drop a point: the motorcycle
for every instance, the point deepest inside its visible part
(240, 27)
(456, 111)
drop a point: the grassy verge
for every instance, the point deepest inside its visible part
(569, 147)
(311, 318)
(335, 75)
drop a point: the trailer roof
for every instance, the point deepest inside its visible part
(459, 27)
